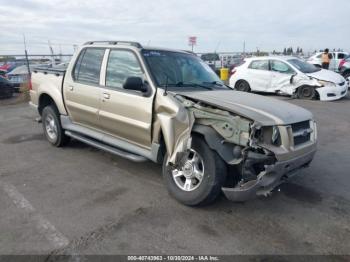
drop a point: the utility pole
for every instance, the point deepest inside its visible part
(26, 54)
(60, 53)
(52, 53)
(244, 48)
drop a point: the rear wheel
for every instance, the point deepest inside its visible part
(52, 127)
(198, 178)
(243, 86)
(306, 92)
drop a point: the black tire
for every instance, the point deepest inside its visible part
(51, 112)
(306, 92)
(243, 86)
(212, 181)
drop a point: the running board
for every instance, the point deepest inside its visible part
(107, 148)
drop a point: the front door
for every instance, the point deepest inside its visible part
(125, 114)
(81, 89)
(281, 76)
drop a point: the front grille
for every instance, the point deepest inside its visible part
(298, 140)
(301, 132)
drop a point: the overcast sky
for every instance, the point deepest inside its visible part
(222, 24)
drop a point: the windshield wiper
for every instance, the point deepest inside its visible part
(214, 83)
(191, 84)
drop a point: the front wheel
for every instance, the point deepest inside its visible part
(52, 127)
(306, 92)
(198, 177)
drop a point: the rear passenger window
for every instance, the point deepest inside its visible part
(121, 65)
(341, 56)
(88, 66)
(259, 65)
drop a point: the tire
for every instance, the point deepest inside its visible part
(243, 86)
(306, 92)
(213, 176)
(52, 127)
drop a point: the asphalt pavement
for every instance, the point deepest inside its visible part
(80, 200)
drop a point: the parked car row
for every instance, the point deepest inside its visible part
(6, 88)
(288, 75)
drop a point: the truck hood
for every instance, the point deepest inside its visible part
(327, 75)
(263, 110)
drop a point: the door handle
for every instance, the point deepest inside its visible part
(106, 95)
(71, 88)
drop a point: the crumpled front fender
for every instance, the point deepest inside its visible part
(176, 124)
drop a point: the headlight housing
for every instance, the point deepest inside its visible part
(326, 83)
(276, 137)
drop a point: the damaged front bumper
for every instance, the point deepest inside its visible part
(267, 180)
(331, 93)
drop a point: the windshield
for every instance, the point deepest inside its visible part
(303, 66)
(182, 70)
(210, 57)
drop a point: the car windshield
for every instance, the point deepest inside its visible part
(181, 70)
(210, 57)
(303, 66)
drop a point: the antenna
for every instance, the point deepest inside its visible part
(166, 86)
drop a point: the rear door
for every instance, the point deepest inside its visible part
(81, 88)
(258, 75)
(126, 114)
(281, 76)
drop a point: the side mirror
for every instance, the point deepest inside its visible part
(135, 83)
(292, 78)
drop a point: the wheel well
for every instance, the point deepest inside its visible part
(240, 81)
(162, 148)
(45, 100)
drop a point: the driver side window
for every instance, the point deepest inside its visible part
(121, 65)
(281, 67)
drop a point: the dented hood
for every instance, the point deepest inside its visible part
(327, 75)
(263, 110)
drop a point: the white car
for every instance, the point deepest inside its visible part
(337, 57)
(288, 75)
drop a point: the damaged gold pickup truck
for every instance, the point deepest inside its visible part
(169, 107)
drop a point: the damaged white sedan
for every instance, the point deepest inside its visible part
(290, 76)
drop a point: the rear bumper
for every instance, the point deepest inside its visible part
(267, 180)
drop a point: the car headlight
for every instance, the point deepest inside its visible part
(275, 138)
(325, 83)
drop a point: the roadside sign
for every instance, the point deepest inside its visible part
(192, 41)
